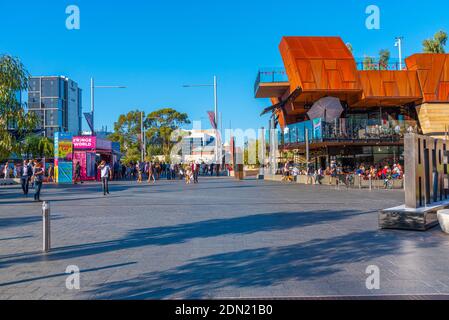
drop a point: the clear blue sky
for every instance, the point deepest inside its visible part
(155, 46)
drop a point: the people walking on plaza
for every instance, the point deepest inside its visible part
(38, 174)
(151, 173)
(217, 169)
(188, 173)
(25, 173)
(77, 173)
(105, 173)
(139, 172)
(51, 174)
(196, 172)
(310, 174)
(6, 171)
(203, 168)
(211, 169)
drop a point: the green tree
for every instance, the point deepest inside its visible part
(368, 63)
(34, 146)
(46, 147)
(160, 125)
(437, 44)
(15, 123)
(127, 131)
(384, 59)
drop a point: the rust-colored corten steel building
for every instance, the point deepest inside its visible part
(379, 103)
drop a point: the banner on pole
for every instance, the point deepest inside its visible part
(212, 119)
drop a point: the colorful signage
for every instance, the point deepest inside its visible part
(63, 146)
(84, 142)
(64, 172)
(63, 157)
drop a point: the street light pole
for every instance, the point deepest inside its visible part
(92, 98)
(215, 86)
(398, 44)
(217, 156)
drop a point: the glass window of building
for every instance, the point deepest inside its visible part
(33, 84)
(50, 87)
(51, 103)
(52, 117)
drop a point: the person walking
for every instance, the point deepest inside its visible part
(188, 173)
(51, 174)
(151, 173)
(105, 173)
(139, 172)
(25, 173)
(38, 174)
(77, 173)
(6, 171)
(196, 172)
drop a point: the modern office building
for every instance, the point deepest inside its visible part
(57, 101)
(352, 112)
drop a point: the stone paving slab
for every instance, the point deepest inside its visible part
(218, 239)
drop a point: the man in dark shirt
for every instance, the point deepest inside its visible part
(25, 173)
(78, 173)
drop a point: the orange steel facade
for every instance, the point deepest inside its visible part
(324, 66)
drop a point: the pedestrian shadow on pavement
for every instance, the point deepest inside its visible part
(9, 222)
(22, 281)
(177, 234)
(255, 269)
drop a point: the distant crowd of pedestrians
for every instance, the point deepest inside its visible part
(33, 173)
(154, 171)
(386, 173)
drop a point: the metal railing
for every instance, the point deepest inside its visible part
(348, 129)
(364, 64)
(270, 75)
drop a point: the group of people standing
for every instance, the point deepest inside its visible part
(339, 173)
(29, 172)
(154, 171)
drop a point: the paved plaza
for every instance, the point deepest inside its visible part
(219, 239)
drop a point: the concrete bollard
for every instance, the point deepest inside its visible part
(46, 243)
(443, 219)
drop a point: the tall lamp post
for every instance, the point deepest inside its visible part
(398, 44)
(92, 98)
(214, 85)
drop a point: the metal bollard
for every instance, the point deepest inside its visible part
(370, 183)
(46, 243)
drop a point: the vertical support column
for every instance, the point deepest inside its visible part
(46, 234)
(261, 153)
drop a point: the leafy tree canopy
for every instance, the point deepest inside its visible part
(15, 123)
(436, 44)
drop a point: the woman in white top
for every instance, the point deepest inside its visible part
(6, 170)
(106, 173)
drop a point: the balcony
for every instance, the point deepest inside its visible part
(348, 130)
(271, 82)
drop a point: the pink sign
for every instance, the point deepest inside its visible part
(84, 142)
